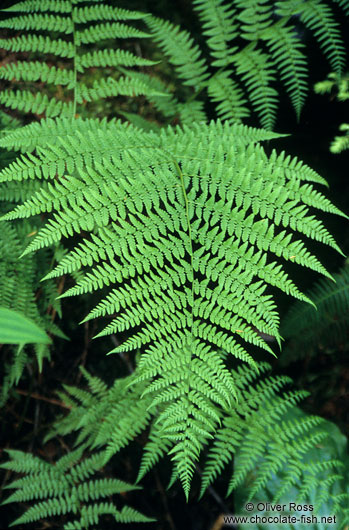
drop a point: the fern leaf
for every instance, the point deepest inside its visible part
(68, 489)
(255, 18)
(38, 43)
(84, 15)
(192, 220)
(110, 88)
(220, 28)
(255, 70)
(35, 70)
(229, 98)
(318, 16)
(286, 51)
(30, 6)
(327, 322)
(181, 50)
(108, 58)
(36, 103)
(39, 22)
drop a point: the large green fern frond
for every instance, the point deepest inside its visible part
(187, 228)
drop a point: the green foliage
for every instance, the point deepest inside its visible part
(192, 268)
(15, 328)
(74, 29)
(326, 494)
(19, 285)
(326, 323)
(67, 487)
(253, 44)
(339, 84)
(270, 436)
(264, 431)
(183, 231)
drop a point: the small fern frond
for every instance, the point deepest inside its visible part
(35, 70)
(219, 27)
(108, 31)
(38, 22)
(40, 44)
(19, 286)
(181, 51)
(308, 326)
(68, 489)
(99, 12)
(111, 58)
(30, 6)
(105, 417)
(255, 70)
(285, 48)
(255, 18)
(269, 436)
(38, 103)
(318, 16)
(229, 98)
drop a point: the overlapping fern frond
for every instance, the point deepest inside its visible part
(187, 228)
(68, 487)
(307, 327)
(67, 29)
(252, 43)
(269, 436)
(20, 287)
(264, 431)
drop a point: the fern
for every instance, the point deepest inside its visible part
(186, 262)
(281, 441)
(68, 22)
(227, 26)
(67, 487)
(19, 283)
(327, 324)
(264, 431)
(185, 230)
(318, 17)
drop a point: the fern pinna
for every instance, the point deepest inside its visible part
(187, 228)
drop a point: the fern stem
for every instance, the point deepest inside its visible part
(189, 234)
(74, 69)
